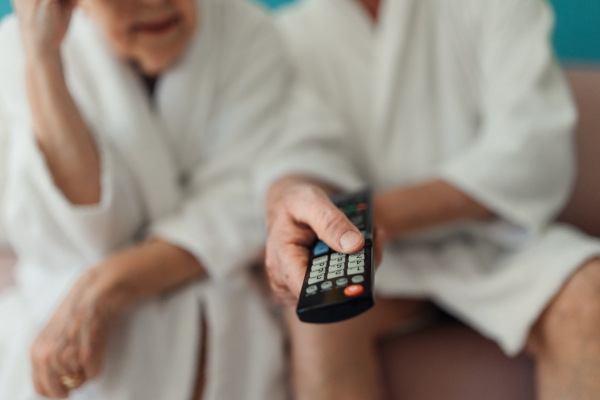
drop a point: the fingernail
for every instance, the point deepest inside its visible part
(349, 240)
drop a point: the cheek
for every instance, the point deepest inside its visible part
(122, 41)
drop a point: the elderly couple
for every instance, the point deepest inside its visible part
(147, 138)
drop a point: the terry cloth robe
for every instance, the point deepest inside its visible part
(3, 167)
(467, 91)
(176, 168)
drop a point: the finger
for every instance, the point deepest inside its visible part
(378, 244)
(329, 223)
(293, 277)
(49, 380)
(280, 291)
(37, 383)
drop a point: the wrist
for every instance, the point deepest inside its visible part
(48, 67)
(108, 289)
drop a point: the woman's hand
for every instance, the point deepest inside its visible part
(76, 338)
(44, 24)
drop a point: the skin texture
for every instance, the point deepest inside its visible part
(151, 34)
(565, 341)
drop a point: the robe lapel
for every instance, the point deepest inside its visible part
(118, 108)
(392, 35)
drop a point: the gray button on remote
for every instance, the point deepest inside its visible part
(342, 281)
(311, 289)
(326, 285)
(358, 279)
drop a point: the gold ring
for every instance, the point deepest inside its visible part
(71, 381)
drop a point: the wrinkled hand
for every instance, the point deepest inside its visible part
(298, 213)
(76, 338)
(44, 24)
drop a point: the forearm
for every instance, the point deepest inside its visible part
(149, 269)
(61, 133)
(405, 210)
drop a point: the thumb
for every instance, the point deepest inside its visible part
(329, 223)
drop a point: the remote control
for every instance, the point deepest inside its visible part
(339, 286)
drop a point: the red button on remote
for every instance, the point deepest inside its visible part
(353, 290)
(362, 207)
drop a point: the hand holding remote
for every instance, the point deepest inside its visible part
(299, 210)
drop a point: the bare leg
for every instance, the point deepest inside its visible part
(339, 361)
(566, 340)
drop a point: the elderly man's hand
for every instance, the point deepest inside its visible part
(44, 24)
(298, 212)
(75, 340)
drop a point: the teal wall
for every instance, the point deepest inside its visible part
(577, 35)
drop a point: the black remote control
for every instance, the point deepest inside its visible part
(339, 286)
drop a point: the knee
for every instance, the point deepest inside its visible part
(572, 319)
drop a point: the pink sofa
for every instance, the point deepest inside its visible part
(449, 361)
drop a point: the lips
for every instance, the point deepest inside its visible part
(157, 27)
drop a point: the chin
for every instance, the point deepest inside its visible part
(157, 62)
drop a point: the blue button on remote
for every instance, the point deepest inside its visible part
(321, 248)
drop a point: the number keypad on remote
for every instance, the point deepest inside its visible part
(332, 268)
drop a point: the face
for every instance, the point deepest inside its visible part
(151, 33)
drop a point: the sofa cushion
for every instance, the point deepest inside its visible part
(452, 362)
(583, 209)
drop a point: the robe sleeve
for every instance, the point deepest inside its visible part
(218, 221)
(522, 164)
(3, 172)
(43, 226)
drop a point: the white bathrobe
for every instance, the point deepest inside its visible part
(467, 91)
(3, 168)
(176, 168)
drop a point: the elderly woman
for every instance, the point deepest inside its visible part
(133, 124)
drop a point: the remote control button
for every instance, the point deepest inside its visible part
(350, 209)
(320, 260)
(337, 260)
(336, 267)
(356, 270)
(335, 255)
(361, 251)
(335, 274)
(326, 285)
(342, 282)
(354, 257)
(316, 279)
(318, 266)
(358, 219)
(356, 263)
(362, 207)
(358, 279)
(317, 272)
(364, 233)
(311, 289)
(353, 290)
(321, 248)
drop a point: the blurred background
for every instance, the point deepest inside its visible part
(577, 36)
